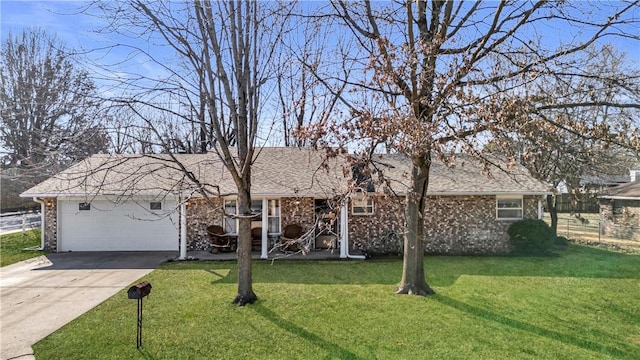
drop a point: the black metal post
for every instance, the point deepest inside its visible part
(139, 332)
(138, 292)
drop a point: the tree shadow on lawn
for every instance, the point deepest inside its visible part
(576, 262)
(627, 352)
(334, 351)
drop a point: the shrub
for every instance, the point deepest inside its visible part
(561, 242)
(530, 237)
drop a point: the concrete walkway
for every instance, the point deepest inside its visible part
(40, 295)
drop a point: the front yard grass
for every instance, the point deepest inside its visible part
(582, 304)
(14, 247)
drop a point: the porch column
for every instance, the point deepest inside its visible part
(540, 212)
(183, 230)
(344, 229)
(265, 228)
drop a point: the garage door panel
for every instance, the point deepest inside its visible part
(128, 226)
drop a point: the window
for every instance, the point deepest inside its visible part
(273, 216)
(618, 206)
(230, 222)
(84, 206)
(256, 209)
(155, 205)
(362, 206)
(509, 207)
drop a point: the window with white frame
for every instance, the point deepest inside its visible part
(273, 216)
(362, 206)
(155, 205)
(509, 207)
(84, 206)
(230, 222)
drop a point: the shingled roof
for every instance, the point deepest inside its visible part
(630, 191)
(463, 176)
(277, 171)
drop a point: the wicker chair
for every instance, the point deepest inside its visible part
(221, 241)
(290, 236)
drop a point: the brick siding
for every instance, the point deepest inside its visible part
(623, 225)
(50, 224)
(299, 211)
(454, 225)
(200, 215)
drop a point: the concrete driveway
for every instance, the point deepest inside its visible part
(40, 295)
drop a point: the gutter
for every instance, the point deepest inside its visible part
(42, 209)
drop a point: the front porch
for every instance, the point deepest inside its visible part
(274, 255)
(322, 228)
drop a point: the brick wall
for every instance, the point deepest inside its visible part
(50, 224)
(299, 211)
(380, 232)
(625, 224)
(201, 214)
(454, 225)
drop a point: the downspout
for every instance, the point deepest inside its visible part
(344, 233)
(42, 209)
(265, 229)
(183, 229)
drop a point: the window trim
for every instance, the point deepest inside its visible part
(255, 202)
(278, 216)
(367, 205)
(511, 197)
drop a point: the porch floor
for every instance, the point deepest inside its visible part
(275, 255)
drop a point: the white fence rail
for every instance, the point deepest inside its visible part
(20, 221)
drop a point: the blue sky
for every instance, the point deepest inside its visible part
(77, 30)
(59, 17)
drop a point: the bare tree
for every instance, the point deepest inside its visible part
(552, 149)
(49, 106)
(303, 98)
(223, 59)
(453, 74)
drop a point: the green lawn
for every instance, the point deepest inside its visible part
(582, 304)
(12, 247)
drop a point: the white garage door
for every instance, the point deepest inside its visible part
(104, 226)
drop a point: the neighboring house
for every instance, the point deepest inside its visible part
(620, 210)
(147, 203)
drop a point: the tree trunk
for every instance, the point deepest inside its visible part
(245, 288)
(413, 281)
(552, 206)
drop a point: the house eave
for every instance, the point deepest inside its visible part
(97, 196)
(620, 197)
(486, 193)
